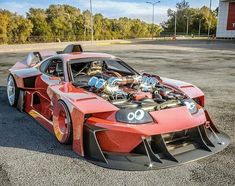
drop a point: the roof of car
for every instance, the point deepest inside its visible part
(81, 55)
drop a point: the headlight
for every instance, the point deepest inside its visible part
(133, 116)
(191, 105)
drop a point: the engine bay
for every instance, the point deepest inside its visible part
(145, 92)
(126, 89)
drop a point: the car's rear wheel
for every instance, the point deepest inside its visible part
(12, 91)
(62, 123)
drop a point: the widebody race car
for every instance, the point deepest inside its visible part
(112, 115)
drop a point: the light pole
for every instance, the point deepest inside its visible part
(209, 25)
(187, 17)
(199, 28)
(153, 4)
(175, 23)
(92, 25)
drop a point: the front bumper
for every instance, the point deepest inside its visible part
(157, 151)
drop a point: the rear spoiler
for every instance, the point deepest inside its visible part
(41, 55)
(71, 49)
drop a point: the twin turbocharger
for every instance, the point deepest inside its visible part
(112, 85)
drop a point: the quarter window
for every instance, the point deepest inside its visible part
(53, 67)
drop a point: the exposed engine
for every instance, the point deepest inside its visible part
(146, 92)
(137, 92)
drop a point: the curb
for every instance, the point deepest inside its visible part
(55, 46)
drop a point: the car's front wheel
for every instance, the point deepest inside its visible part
(12, 91)
(62, 123)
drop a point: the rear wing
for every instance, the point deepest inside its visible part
(71, 49)
(36, 57)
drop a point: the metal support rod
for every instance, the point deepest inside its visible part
(153, 4)
(149, 158)
(216, 136)
(175, 23)
(153, 22)
(187, 25)
(92, 25)
(199, 29)
(209, 23)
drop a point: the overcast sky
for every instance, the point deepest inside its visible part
(109, 8)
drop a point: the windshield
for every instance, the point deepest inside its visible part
(82, 69)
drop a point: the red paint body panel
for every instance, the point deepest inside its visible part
(85, 102)
(121, 142)
(167, 121)
(164, 122)
(35, 114)
(189, 89)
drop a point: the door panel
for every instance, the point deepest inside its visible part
(50, 76)
(41, 102)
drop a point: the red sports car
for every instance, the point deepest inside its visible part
(111, 114)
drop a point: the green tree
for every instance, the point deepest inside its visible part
(98, 26)
(67, 23)
(125, 27)
(4, 20)
(194, 15)
(19, 29)
(62, 19)
(87, 24)
(38, 18)
(208, 16)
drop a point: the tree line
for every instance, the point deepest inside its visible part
(68, 23)
(203, 16)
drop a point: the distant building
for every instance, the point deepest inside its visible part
(226, 22)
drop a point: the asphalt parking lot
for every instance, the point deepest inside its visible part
(29, 155)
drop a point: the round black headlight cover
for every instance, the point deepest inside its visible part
(133, 116)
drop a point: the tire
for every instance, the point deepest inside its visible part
(62, 123)
(12, 91)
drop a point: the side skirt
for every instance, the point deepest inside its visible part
(47, 124)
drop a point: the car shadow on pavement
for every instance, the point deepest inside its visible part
(19, 130)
